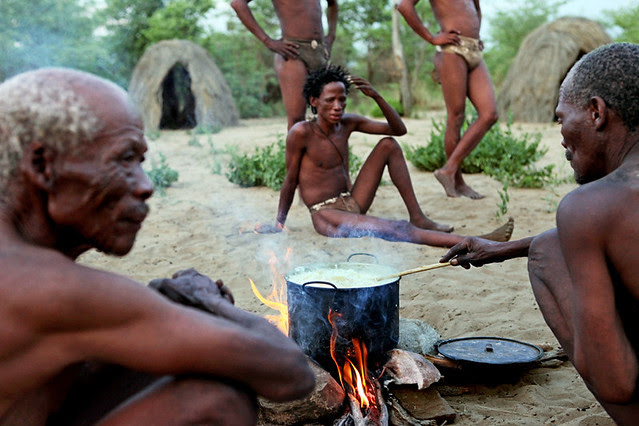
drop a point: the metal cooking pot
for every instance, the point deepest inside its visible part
(368, 312)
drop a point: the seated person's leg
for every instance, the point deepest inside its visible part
(109, 394)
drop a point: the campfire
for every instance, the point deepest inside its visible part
(366, 380)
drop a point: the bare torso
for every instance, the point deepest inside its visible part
(300, 19)
(458, 15)
(322, 173)
(33, 374)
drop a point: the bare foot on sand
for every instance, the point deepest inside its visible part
(502, 233)
(424, 222)
(448, 182)
(469, 192)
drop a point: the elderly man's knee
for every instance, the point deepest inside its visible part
(544, 253)
(217, 403)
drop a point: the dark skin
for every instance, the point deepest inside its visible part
(317, 163)
(455, 18)
(61, 205)
(299, 19)
(591, 309)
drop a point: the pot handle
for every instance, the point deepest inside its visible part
(318, 282)
(348, 259)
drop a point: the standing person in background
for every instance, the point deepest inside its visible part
(302, 48)
(462, 73)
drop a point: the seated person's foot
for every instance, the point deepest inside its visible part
(466, 191)
(502, 233)
(424, 222)
(448, 182)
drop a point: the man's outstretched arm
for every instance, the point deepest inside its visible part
(474, 251)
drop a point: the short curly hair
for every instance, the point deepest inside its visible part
(320, 77)
(612, 73)
(42, 105)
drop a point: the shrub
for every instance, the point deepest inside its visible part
(500, 154)
(162, 176)
(267, 166)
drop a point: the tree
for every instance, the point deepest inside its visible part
(178, 19)
(626, 20)
(509, 28)
(31, 40)
(125, 21)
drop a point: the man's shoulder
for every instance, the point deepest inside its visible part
(301, 130)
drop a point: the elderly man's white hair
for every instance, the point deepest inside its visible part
(44, 106)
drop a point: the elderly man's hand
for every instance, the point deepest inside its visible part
(474, 251)
(189, 287)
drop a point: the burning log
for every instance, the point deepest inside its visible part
(325, 402)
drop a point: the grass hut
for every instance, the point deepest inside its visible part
(176, 85)
(530, 90)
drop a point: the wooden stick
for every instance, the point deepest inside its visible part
(415, 270)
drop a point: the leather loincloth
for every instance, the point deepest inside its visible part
(313, 53)
(344, 202)
(469, 49)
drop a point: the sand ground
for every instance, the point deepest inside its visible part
(204, 221)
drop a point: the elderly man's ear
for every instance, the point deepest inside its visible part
(598, 112)
(37, 165)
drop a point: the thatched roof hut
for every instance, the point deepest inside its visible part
(530, 90)
(177, 85)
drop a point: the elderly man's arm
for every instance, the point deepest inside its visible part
(109, 318)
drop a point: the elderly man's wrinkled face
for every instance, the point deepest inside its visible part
(583, 150)
(100, 190)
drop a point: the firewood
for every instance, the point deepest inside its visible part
(421, 407)
(408, 368)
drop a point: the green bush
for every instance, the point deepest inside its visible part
(161, 175)
(267, 166)
(500, 154)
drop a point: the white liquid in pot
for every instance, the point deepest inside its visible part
(343, 277)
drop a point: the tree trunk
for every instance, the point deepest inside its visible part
(406, 97)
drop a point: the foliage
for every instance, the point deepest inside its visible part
(267, 166)
(31, 40)
(504, 198)
(626, 20)
(501, 155)
(509, 27)
(248, 69)
(161, 175)
(125, 21)
(178, 19)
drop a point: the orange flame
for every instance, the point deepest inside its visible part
(277, 299)
(353, 372)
